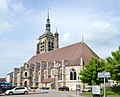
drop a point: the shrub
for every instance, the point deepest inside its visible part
(116, 88)
(33, 87)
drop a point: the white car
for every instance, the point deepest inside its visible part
(17, 90)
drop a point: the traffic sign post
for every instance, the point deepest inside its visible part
(78, 88)
(104, 75)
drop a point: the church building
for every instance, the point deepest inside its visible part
(52, 66)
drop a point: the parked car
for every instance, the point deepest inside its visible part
(87, 89)
(17, 90)
(45, 88)
(63, 88)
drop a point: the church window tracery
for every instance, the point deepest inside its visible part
(73, 74)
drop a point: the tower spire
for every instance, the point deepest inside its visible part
(47, 31)
(48, 20)
(56, 40)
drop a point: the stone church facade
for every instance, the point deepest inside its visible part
(52, 66)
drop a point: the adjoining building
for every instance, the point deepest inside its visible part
(52, 66)
(9, 77)
(12, 76)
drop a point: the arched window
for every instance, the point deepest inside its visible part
(72, 74)
(25, 83)
(25, 74)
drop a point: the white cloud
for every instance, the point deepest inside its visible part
(101, 31)
(17, 7)
(97, 29)
(66, 37)
(15, 51)
(5, 26)
(3, 5)
(9, 14)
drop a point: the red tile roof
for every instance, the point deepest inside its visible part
(73, 53)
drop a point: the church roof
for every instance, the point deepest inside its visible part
(73, 53)
(48, 33)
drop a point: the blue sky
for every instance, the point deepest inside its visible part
(22, 21)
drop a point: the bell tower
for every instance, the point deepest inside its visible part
(46, 41)
(56, 40)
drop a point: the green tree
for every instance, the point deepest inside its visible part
(113, 65)
(90, 72)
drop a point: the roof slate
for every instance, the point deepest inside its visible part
(73, 53)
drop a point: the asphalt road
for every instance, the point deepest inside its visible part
(46, 93)
(50, 93)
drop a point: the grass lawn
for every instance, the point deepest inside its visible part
(108, 92)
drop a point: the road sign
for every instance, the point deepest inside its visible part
(96, 89)
(103, 74)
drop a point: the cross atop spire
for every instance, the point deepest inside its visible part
(48, 13)
(82, 37)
